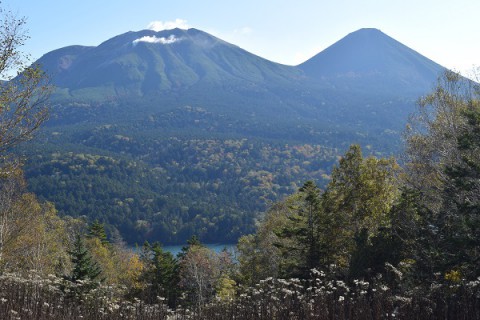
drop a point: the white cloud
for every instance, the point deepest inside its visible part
(168, 25)
(171, 39)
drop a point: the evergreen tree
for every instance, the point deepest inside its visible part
(341, 223)
(303, 254)
(84, 268)
(443, 153)
(97, 230)
(192, 242)
(161, 273)
(165, 273)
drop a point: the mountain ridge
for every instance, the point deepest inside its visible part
(172, 58)
(139, 63)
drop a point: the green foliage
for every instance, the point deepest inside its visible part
(84, 268)
(359, 197)
(339, 226)
(178, 186)
(363, 190)
(97, 230)
(160, 274)
(370, 254)
(303, 228)
(444, 169)
(260, 256)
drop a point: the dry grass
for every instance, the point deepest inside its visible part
(34, 297)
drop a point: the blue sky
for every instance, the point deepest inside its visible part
(283, 31)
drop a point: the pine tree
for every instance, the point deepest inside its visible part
(303, 228)
(97, 230)
(165, 274)
(84, 268)
(161, 273)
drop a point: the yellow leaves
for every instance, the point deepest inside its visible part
(119, 265)
(34, 237)
(453, 276)
(132, 271)
(226, 288)
(363, 189)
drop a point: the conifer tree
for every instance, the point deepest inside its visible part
(443, 161)
(192, 242)
(84, 268)
(303, 228)
(97, 230)
(165, 277)
(161, 273)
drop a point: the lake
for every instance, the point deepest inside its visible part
(217, 247)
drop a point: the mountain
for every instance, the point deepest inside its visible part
(149, 62)
(162, 135)
(365, 78)
(370, 60)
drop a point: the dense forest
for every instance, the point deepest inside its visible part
(371, 239)
(182, 169)
(195, 187)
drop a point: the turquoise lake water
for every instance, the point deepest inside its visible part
(217, 247)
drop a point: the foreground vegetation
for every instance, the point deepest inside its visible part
(320, 297)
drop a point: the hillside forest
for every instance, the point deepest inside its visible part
(163, 142)
(378, 238)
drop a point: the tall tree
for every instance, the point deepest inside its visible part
(84, 268)
(304, 229)
(12, 218)
(23, 98)
(461, 201)
(160, 274)
(22, 110)
(97, 230)
(358, 199)
(443, 169)
(432, 137)
(32, 236)
(313, 230)
(204, 273)
(260, 256)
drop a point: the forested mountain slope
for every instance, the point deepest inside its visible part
(173, 133)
